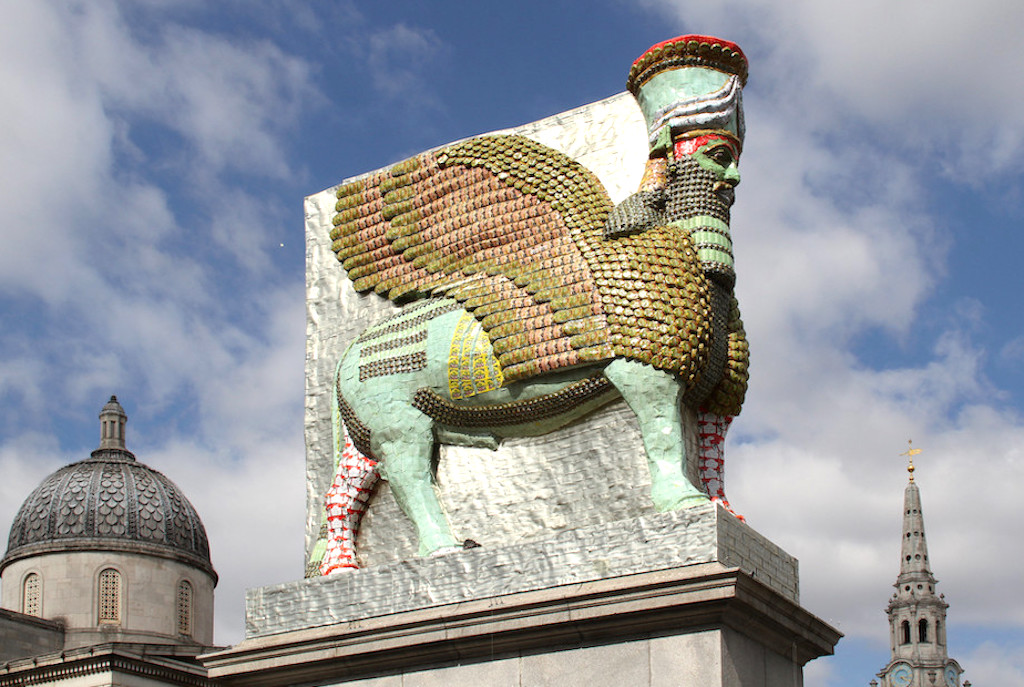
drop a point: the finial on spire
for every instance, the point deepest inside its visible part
(910, 453)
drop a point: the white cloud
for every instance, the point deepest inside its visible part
(72, 79)
(994, 663)
(1013, 350)
(55, 144)
(819, 673)
(817, 265)
(89, 227)
(124, 226)
(228, 99)
(253, 507)
(241, 463)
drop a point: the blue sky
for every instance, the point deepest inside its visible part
(154, 160)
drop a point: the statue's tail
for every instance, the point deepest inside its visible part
(345, 503)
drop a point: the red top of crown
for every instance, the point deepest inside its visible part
(688, 50)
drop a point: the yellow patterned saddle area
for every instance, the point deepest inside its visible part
(472, 367)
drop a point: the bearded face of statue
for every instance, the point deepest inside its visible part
(691, 187)
(699, 190)
(717, 156)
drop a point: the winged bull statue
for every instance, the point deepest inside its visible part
(529, 300)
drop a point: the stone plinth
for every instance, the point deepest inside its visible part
(687, 598)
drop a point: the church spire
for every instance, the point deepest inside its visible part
(914, 566)
(917, 615)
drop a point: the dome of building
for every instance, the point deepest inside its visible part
(109, 502)
(113, 551)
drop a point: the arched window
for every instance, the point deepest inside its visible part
(31, 596)
(109, 597)
(939, 639)
(906, 632)
(185, 608)
(922, 630)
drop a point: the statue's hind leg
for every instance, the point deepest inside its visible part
(406, 449)
(345, 502)
(712, 429)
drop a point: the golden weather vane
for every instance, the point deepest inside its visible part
(910, 453)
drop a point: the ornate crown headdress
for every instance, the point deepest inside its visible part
(690, 84)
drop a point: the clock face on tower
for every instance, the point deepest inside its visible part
(901, 675)
(951, 676)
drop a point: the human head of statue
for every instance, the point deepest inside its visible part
(688, 87)
(689, 90)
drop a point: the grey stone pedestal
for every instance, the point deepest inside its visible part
(692, 598)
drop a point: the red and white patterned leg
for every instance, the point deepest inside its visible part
(346, 503)
(712, 429)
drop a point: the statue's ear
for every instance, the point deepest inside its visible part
(663, 143)
(640, 212)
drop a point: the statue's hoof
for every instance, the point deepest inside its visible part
(694, 500)
(445, 550)
(678, 501)
(725, 504)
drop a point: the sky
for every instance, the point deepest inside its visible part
(154, 156)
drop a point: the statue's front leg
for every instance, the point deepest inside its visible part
(655, 396)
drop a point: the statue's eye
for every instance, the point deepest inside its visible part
(721, 154)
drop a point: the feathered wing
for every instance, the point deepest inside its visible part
(502, 224)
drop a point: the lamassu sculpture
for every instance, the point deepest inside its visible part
(529, 300)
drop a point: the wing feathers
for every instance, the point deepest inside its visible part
(496, 223)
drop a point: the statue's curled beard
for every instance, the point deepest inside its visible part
(694, 192)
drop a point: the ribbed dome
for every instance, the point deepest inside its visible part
(109, 502)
